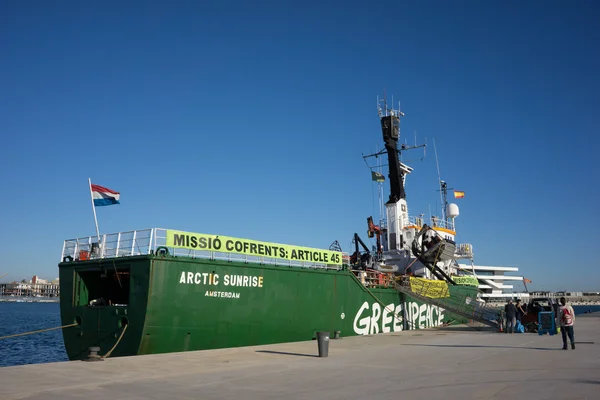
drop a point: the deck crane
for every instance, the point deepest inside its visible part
(375, 230)
(361, 261)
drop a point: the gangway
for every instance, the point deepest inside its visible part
(464, 306)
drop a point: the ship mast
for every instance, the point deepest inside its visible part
(396, 206)
(390, 128)
(444, 189)
(443, 186)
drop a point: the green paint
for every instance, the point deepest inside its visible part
(173, 304)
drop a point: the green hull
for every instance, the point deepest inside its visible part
(175, 304)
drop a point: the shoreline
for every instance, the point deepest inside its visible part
(15, 299)
(573, 303)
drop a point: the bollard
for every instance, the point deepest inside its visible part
(336, 334)
(323, 343)
(93, 356)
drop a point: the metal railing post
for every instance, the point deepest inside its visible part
(62, 254)
(133, 242)
(102, 246)
(152, 235)
(118, 244)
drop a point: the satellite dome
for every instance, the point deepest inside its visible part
(452, 210)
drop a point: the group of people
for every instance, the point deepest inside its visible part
(566, 318)
(513, 313)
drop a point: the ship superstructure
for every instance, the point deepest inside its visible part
(398, 231)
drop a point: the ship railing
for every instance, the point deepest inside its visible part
(121, 244)
(373, 278)
(464, 250)
(147, 241)
(433, 222)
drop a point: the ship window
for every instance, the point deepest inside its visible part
(102, 287)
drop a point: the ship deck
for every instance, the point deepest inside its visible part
(449, 363)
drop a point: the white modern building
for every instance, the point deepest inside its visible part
(496, 284)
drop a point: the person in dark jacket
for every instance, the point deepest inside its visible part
(511, 316)
(520, 310)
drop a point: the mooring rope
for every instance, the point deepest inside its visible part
(41, 330)
(116, 344)
(67, 326)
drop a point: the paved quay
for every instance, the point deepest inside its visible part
(445, 363)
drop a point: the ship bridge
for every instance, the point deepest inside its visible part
(433, 221)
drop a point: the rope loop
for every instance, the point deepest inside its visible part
(116, 344)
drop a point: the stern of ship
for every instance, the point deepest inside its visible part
(104, 290)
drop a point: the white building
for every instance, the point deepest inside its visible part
(495, 284)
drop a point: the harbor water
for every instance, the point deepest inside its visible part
(19, 317)
(30, 349)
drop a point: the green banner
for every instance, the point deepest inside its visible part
(466, 280)
(226, 244)
(377, 177)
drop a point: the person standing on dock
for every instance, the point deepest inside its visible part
(567, 320)
(511, 316)
(520, 310)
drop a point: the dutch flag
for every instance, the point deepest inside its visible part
(104, 197)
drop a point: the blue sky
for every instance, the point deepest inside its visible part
(251, 121)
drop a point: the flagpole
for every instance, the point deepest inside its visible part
(94, 209)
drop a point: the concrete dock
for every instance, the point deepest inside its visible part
(443, 363)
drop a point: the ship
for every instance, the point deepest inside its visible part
(160, 290)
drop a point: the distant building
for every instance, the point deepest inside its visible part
(557, 294)
(37, 281)
(36, 287)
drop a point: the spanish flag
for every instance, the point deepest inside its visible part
(526, 280)
(459, 194)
